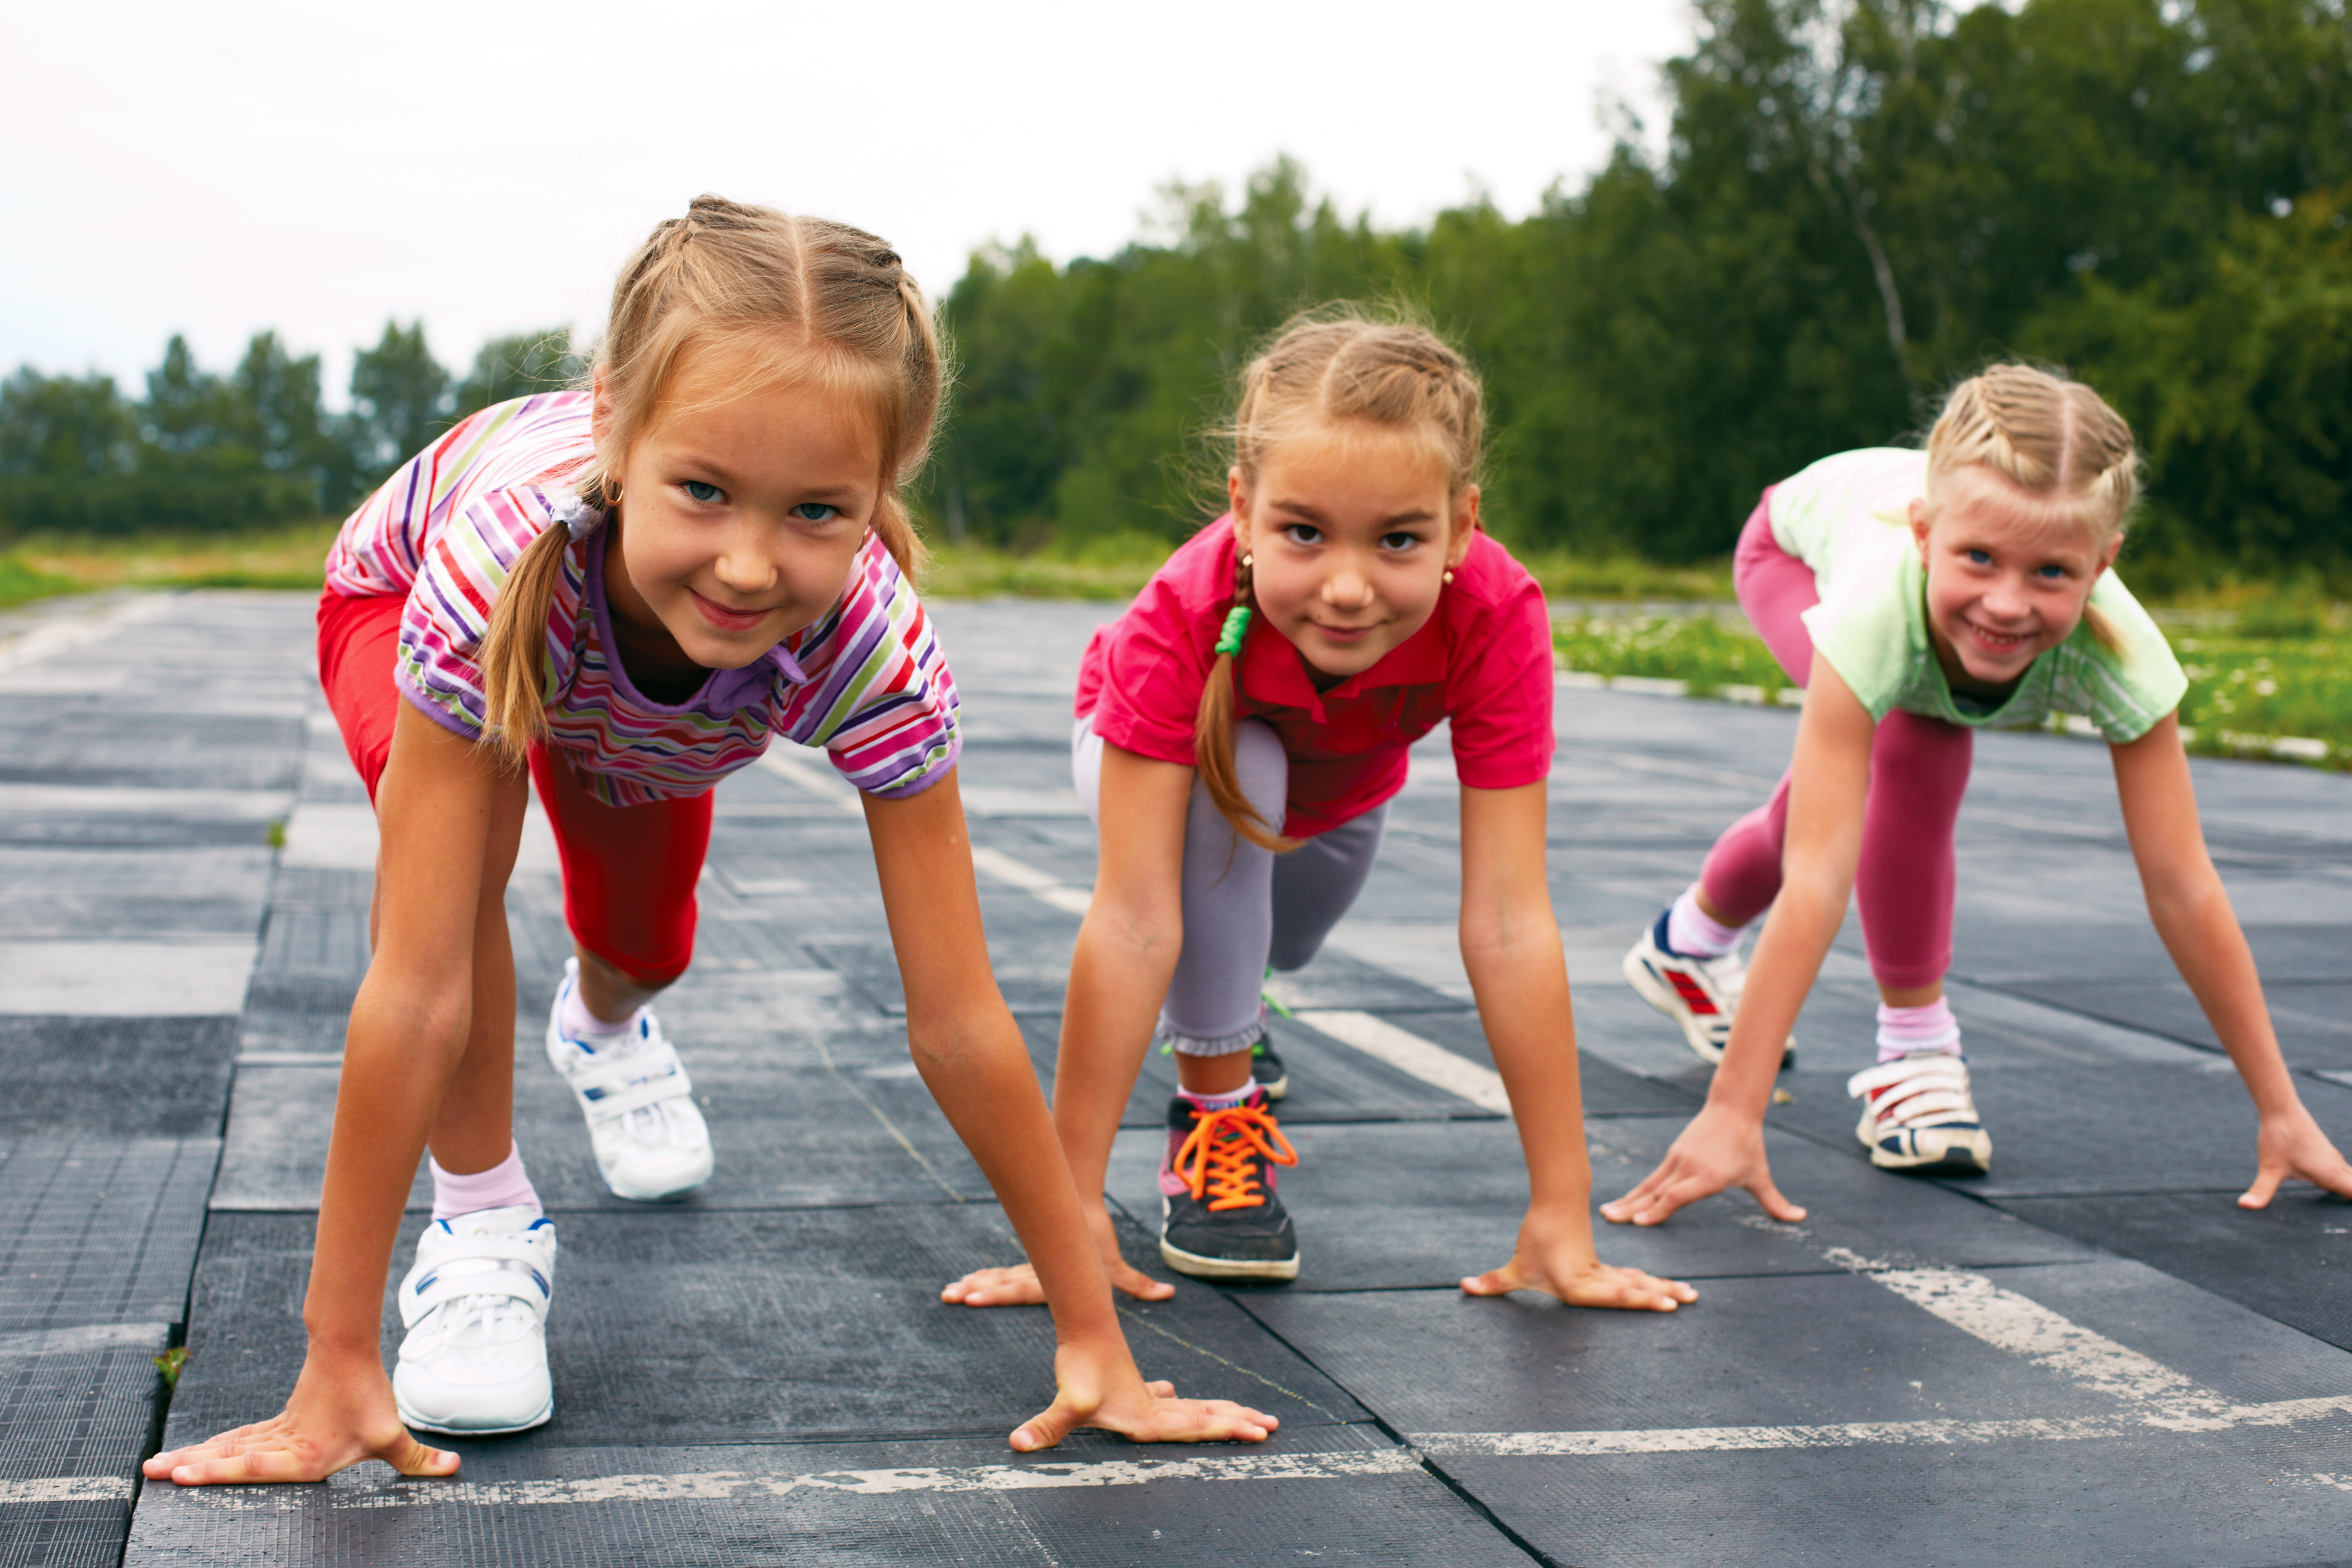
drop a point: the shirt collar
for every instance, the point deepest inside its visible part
(1273, 672)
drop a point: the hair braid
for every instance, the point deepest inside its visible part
(1213, 730)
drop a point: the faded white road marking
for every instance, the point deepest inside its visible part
(1407, 1052)
(999, 867)
(126, 979)
(1858, 1434)
(720, 1486)
(2009, 1322)
(68, 1488)
(63, 635)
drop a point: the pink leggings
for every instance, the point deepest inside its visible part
(1918, 772)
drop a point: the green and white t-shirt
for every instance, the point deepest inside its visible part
(1847, 518)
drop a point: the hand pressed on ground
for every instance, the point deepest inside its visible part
(1102, 1389)
(1555, 1257)
(1719, 1149)
(332, 1422)
(2291, 1145)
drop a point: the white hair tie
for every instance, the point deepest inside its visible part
(578, 517)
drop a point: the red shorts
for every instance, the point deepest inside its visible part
(629, 871)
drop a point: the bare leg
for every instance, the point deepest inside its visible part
(608, 993)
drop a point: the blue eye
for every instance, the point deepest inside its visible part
(816, 512)
(2052, 573)
(702, 491)
(1980, 558)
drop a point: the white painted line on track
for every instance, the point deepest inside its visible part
(68, 1488)
(722, 1486)
(999, 867)
(1412, 1056)
(51, 637)
(2009, 1322)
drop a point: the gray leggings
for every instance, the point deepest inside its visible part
(1244, 907)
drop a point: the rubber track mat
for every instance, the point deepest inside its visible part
(2292, 1261)
(75, 1409)
(2314, 1018)
(133, 894)
(116, 1078)
(735, 1327)
(1417, 1205)
(99, 1230)
(2158, 1128)
(1342, 1496)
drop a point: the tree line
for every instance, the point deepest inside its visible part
(205, 452)
(1856, 201)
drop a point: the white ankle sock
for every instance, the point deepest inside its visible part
(1694, 933)
(1914, 1031)
(577, 1022)
(503, 1185)
(1218, 1101)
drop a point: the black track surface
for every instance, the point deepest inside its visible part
(2091, 1355)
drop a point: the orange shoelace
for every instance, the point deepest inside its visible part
(1215, 1161)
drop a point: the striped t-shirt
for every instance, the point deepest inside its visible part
(1848, 518)
(867, 681)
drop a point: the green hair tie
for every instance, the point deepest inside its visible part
(1236, 627)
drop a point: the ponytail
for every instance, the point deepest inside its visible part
(1212, 727)
(514, 648)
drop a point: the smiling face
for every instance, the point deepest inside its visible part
(2008, 577)
(1352, 531)
(740, 515)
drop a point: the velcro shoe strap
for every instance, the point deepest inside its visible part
(430, 1284)
(607, 1091)
(1911, 1109)
(1938, 1069)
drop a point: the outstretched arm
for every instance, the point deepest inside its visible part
(1125, 957)
(1724, 1145)
(2192, 914)
(1510, 945)
(433, 1022)
(970, 1055)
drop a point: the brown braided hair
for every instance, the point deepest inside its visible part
(802, 297)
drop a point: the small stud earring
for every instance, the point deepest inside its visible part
(1249, 559)
(1449, 577)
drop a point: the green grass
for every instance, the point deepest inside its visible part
(21, 581)
(290, 557)
(2246, 688)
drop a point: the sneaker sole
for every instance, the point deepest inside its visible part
(1951, 1162)
(1201, 1267)
(1277, 1088)
(1667, 999)
(411, 1419)
(671, 1197)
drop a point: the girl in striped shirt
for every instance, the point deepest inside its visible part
(628, 593)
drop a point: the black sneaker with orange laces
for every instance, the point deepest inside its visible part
(1219, 1216)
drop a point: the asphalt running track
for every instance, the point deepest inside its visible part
(2092, 1356)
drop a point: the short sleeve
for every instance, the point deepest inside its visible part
(1499, 686)
(463, 566)
(1151, 667)
(884, 704)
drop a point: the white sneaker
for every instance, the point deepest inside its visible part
(649, 1136)
(475, 1361)
(1917, 1115)
(1699, 994)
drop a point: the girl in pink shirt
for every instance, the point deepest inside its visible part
(1241, 730)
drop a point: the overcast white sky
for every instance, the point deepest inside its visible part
(218, 168)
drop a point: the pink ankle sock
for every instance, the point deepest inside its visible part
(1910, 1031)
(577, 1021)
(1694, 933)
(503, 1185)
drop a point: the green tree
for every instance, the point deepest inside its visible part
(64, 427)
(400, 401)
(518, 366)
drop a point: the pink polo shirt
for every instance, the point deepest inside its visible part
(1484, 662)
